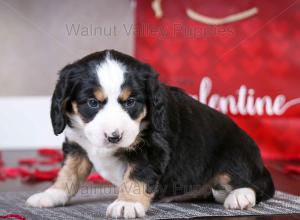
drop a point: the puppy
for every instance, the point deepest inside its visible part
(153, 141)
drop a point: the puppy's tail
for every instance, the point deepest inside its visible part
(197, 193)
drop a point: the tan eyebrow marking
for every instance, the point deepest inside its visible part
(100, 95)
(125, 94)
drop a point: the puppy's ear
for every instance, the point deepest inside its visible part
(61, 97)
(157, 98)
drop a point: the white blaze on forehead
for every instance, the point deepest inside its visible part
(111, 77)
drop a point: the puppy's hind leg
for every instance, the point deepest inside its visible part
(247, 194)
(221, 188)
(232, 197)
(75, 170)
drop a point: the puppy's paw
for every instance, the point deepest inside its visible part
(49, 198)
(243, 198)
(124, 209)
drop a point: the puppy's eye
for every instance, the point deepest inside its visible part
(129, 102)
(93, 103)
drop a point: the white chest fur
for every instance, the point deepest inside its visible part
(105, 163)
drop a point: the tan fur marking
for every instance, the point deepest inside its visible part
(134, 191)
(142, 115)
(125, 94)
(223, 178)
(75, 170)
(100, 95)
(65, 102)
(75, 107)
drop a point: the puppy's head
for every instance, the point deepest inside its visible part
(105, 97)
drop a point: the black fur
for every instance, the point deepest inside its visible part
(186, 143)
(192, 144)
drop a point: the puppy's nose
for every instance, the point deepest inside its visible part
(114, 137)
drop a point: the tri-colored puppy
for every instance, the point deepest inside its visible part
(139, 133)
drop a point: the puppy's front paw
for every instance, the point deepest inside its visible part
(243, 198)
(49, 198)
(124, 209)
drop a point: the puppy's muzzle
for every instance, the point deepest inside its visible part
(114, 138)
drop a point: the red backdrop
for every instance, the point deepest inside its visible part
(248, 69)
